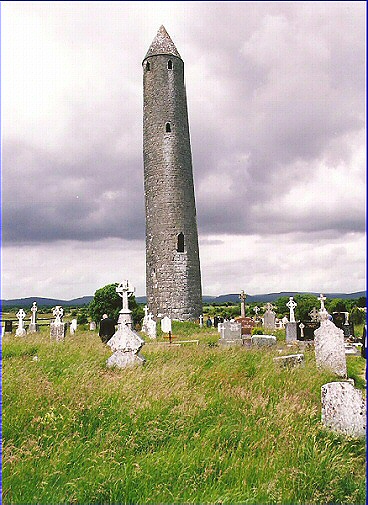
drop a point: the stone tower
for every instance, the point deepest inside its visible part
(173, 277)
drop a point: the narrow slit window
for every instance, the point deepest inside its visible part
(180, 246)
(148, 66)
(168, 127)
(169, 65)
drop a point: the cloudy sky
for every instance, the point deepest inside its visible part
(277, 119)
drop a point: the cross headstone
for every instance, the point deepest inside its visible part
(125, 290)
(256, 310)
(57, 327)
(151, 327)
(242, 297)
(21, 331)
(291, 306)
(33, 327)
(201, 321)
(313, 314)
(301, 326)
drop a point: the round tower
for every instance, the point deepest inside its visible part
(173, 278)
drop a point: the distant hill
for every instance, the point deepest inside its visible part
(234, 298)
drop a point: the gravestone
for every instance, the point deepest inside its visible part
(125, 291)
(73, 326)
(341, 320)
(8, 326)
(284, 321)
(247, 324)
(242, 297)
(57, 327)
(263, 340)
(269, 317)
(151, 326)
(343, 409)
(201, 321)
(291, 306)
(145, 320)
(21, 331)
(329, 346)
(313, 314)
(291, 332)
(309, 328)
(92, 326)
(231, 334)
(290, 360)
(125, 344)
(33, 327)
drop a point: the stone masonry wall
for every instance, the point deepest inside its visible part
(173, 279)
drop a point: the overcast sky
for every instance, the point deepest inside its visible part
(276, 99)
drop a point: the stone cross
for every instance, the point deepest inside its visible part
(256, 310)
(314, 314)
(269, 306)
(58, 312)
(242, 297)
(322, 299)
(125, 290)
(291, 305)
(201, 321)
(301, 326)
(21, 315)
(323, 314)
(34, 313)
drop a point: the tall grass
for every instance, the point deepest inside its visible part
(195, 424)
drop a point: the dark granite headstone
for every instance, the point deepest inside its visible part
(339, 319)
(308, 330)
(8, 326)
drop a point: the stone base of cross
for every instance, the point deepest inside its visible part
(125, 318)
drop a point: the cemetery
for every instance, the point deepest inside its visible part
(228, 414)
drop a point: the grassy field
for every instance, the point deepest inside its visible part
(195, 424)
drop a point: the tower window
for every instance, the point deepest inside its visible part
(169, 65)
(148, 66)
(168, 127)
(180, 245)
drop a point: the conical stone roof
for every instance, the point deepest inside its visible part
(162, 44)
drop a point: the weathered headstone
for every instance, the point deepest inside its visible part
(33, 327)
(230, 334)
(314, 315)
(242, 297)
(92, 326)
(291, 332)
(151, 326)
(57, 327)
(201, 321)
(343, 409)
(21, 331)
(269, 317)
(145, 320)
(125, 290)
(263, 340)
(290, 360)
(329, 345)
(125, 344)
(73, 326)
(341, 320)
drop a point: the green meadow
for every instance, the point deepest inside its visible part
(196, 424)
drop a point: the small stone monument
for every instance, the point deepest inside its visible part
(73, 326)
(291, 330)
(230, 334)
(33, 327)
(242, 297)
(201, 321)
(269, 317)
(302, 326)
(343, 409)
(21, 331)
(125, 344)
(290, 360)
(284, 321)
(313, 314)
(92, 326)
(151, 327)
(57, 327)
(263, 340)
(8, 326)
(329, 344)
(145, 320)
(125, 290)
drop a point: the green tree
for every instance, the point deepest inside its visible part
(305, 304)
(337, 305)
(82, 317)
(357, 315)
(107, 301)
(280, 306)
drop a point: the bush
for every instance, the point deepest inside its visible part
(257, 331)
